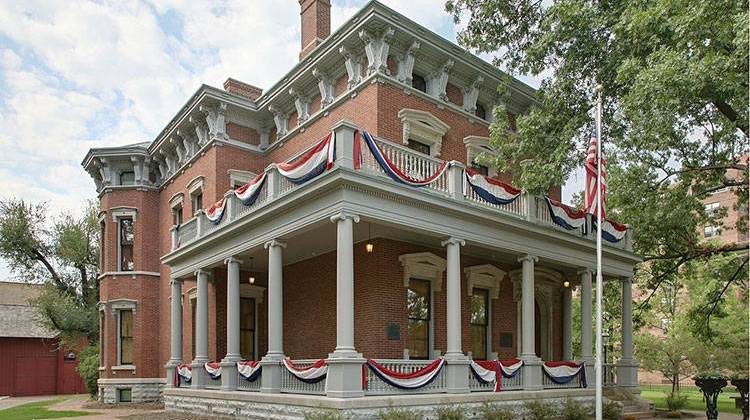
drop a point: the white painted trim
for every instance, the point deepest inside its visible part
(129, 273)
(120, 212)
(123, 367)
(485, 276)
(423, 127)
(133, 381)
(424, 266)
(477, 146)
(177, 200)
(240, 176)
(252, 291)
(195, 184)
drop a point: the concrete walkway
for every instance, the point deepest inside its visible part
(79, 402)
(14, 401)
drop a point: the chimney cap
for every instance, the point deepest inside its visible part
(243, 89)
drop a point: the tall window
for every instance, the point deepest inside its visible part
(177, 215)
(479, 302)
(125, 328)
(125, 244)
(247, 328)
(481, 112)
(197, 201)
(712, 208)
(418, 303)
(102, 248)
(102, 320)
(418, 83)
(419, 147)
(193, 310)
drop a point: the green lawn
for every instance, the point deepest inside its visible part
(38, 410)
(657, 394)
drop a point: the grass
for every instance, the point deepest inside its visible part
(38, 410)
(657, 394)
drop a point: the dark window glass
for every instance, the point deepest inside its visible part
(127, 233)
(419, 147)
(193, 310)
(177, 216)
(418, 83)
(126, 337)
(247, 328)
(102, 319)
(480, 168)
(479, 302)
(126, 395)
(481, 112)
(102, 243)
(197, 202)
(127, 178)
(418, 303)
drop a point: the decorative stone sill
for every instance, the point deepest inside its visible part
(123, 368)
(129, 273)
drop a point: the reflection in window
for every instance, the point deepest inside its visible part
(418, 305)
(479, 307)
(126, 236)
(247, 328)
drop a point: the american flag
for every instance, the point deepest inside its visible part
(591, 181)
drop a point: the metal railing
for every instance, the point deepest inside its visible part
(375, 386)
(412, 163)
(292, 385)
(609, 374)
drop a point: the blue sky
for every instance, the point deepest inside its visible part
(79, 74)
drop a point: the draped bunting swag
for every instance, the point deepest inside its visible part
(182, 373)
(392, 170)
(486, 371)
(611, 231)
(565, 216)
(489, 189)
(564, 372)
(213, 369)
(313, 163)
(249, 371)
(413, 380)
(311, 374)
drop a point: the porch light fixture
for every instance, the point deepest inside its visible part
(566, 284)
(252, 277)
(369, 246)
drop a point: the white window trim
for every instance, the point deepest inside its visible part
(485, 276)
(119, 240)
(121, 212)
(194, 185)
(177, 200)
(423, 127)
(240, 177)
(476, 146)
(254, 292)
(118, 307)
(429, 267)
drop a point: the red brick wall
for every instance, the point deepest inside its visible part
(244, 134)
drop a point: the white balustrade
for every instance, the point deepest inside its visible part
(506, 384)
(517, 207)
(292, 385)
(376, 386)
(548, 383)
(245, 385)
(187, 232)
(212, 383)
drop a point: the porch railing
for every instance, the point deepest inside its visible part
(375, 386)
(417, 165)
(506, 384)
(609, 374)
(548, 383)
(212, 383)
(244, 385)
(292, 385)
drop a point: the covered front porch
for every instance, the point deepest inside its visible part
(447, 284)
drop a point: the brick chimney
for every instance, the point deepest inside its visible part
(243, 89)
(316, 24)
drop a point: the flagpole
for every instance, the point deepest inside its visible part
(598, 361)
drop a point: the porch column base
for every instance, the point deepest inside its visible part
(199, 374)
(171, 367)
(457, 374)
(344, 379)
(590, 367)
(532, 373)
(229, 374)
(270, 377)
(627, 373)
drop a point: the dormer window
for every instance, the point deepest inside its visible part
(481, 112)
(127, 178)
(419, 83)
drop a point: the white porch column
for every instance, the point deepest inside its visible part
(271, 362)
(229, 363)
(532, 370)
(201, 330)
(345, 364)
(457, 373)
(176, 331)
(586, 321)
(567, 323)
(627, 369)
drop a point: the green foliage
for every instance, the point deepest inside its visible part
(611, 410)
(323, 415)
(39, 410)
(574, 410)
(398, 414)
(495, 412)
(74, 319)
(88, 367)
(539, 410)
(675, 401)
(450, 412)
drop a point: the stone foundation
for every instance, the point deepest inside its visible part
(141, 389)
(254, 405)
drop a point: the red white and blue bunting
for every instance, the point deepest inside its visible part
(182, 373)
(491, 190)
(612, 231)
(393, 171)
(249, 371)
(248, 193)
(216, 211)
(311, 374)
(486, 371)
(413, 380)
(565, 216)
(213, 369)
(316, 161)
(564, 372)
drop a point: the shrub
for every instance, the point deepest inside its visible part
(675, 401)
(88, 368)
(398, 414)
(611, 411)
(495, 412)
(538, 410)
(574, 410)
(323, 415)
(450, 413)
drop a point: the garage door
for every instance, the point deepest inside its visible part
(35, 375)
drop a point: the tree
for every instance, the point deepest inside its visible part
(62, 253)
(675, 78)
(669, 354)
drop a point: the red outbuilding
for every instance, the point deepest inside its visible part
(31, 360)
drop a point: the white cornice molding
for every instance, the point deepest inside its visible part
(485, 276)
